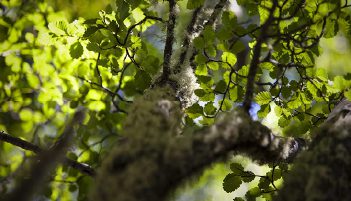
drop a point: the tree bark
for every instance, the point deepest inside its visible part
(155, 159)
(323, 171)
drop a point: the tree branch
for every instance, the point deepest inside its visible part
(187, 39)
(169, 41)
(83, 168)
(256, 59)
(210, 21)
(160, 161)
(323, 171)
(217, 10)
(45, 163)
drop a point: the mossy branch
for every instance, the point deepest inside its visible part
(190, 31)
(154, 160)
(323, 171)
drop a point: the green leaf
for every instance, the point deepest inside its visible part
(238, 46)
(3, 33)
(194, 111)
(236, 168)
(213, 65)
(248, 176)
(199, 92)
(229, 57)
(253, 193)
(347, 94)
(331, 28)
(209, 34)
(267, 66)
(209, 109)
(92, 46)
(122, 9)
(192, 4)
(340, 83)
(283, 122)
(231, 182)
(142, 80)
(277, 174)
(233, 93)
(76, 50)
(227, 105)
(90, 31)
(263, 112)
(264, 183)
(221, 87)
(263, 98)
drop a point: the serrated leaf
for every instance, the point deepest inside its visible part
(200, 59)
(253, 193)
(213, 65)
(229, 57)
(195, 109)
(233, 93)
(277, 174)
(321, 74)
(122, 9)
(236, 168)
(76, 50)
(199, 92)
(209, 109)
(283, 122)
(90, 31)
(247, 176)
(294, 103)
(221, 87)
(263, 98)
(227, 105)
(263, 112)
(267, 66)
(231, 183)
(264, 183)
(93, 47)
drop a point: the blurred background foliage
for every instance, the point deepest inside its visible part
(74, 9)
(36, 81)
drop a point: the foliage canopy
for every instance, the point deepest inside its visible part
(215, 61)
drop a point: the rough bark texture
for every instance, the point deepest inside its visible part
(155, 158)
(324, 171)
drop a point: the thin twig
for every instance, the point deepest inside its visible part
(256, 59)
(83, 168)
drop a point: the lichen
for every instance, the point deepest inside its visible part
(187, 84)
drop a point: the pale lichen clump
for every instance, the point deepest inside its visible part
(186, 81)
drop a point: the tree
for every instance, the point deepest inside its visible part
(156, 91)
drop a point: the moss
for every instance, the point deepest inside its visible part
(134, 169)
(323, 171)
(154, 159)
